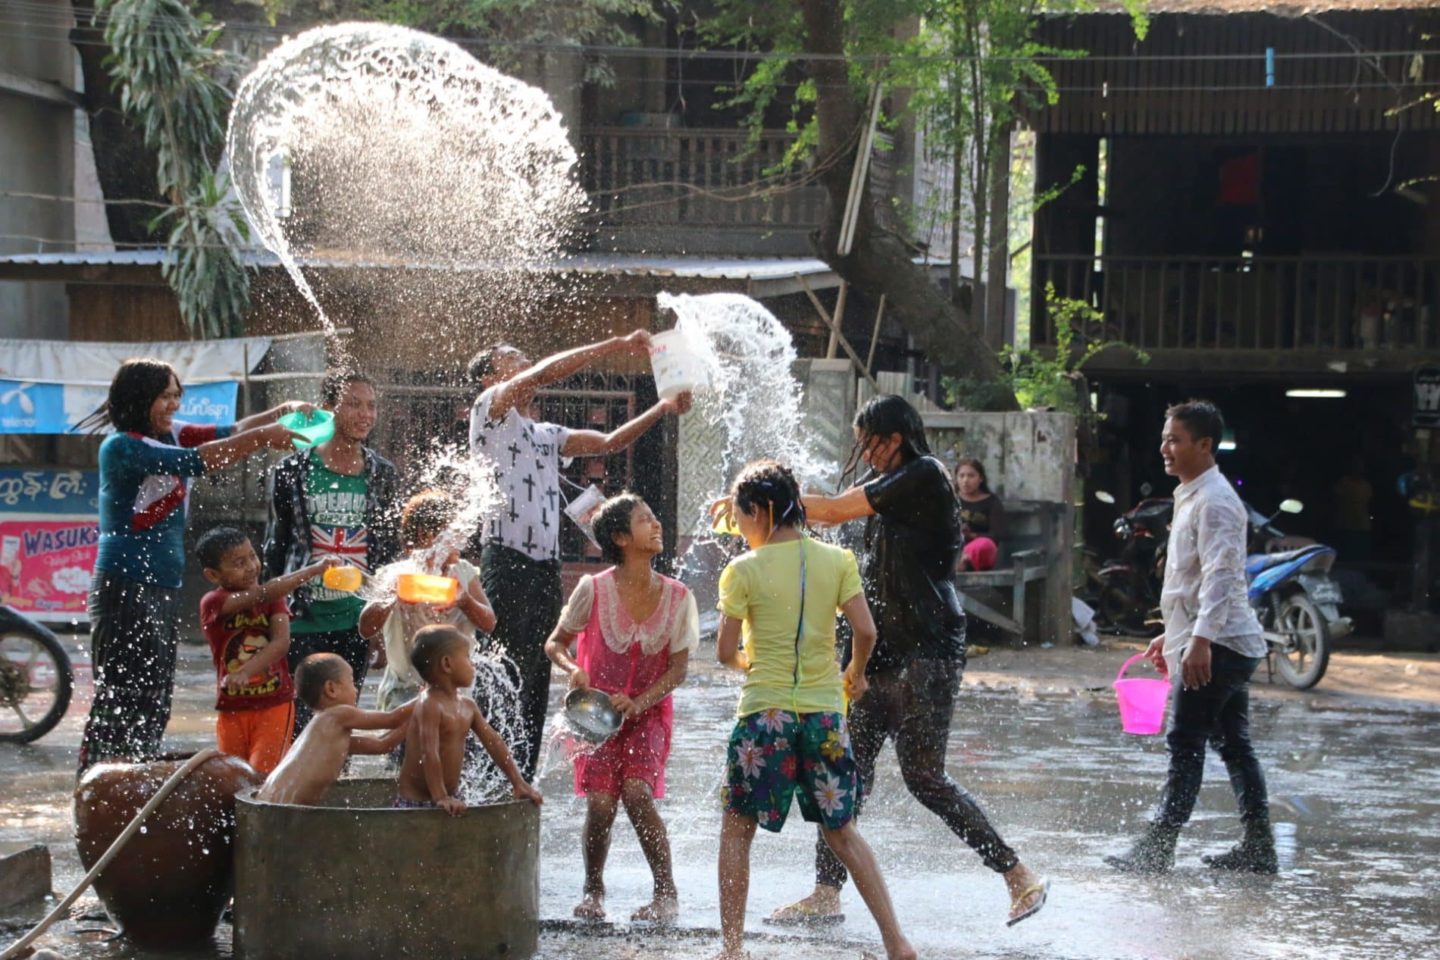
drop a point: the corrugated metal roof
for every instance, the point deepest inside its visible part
(614, 264)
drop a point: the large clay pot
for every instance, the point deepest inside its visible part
(170, 883)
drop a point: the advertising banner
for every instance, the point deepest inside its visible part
(27, 406)
(48, 537)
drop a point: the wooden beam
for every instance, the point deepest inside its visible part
(875, 335)
(849, 350)
(839, 318)
(42, 90)
(990, 614)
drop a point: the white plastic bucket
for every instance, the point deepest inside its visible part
(676, 365)
(583, 509)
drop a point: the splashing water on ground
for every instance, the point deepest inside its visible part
(399, 149)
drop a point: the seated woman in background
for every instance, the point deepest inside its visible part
(982, 516)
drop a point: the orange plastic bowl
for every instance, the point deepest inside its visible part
(424, 588)
(345, 578)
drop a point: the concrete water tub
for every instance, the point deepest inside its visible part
(357, 879)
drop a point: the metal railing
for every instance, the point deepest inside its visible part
(1319, 302)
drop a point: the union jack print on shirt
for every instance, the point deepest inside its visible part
(350, 544)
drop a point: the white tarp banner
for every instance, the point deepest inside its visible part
(81, 362)
(49, 386)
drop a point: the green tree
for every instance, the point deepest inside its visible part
(164, 63)
(968, 68)
(1043, 379)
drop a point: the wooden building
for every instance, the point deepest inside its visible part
(1258, 213)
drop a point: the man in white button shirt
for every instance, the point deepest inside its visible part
(1211, 646)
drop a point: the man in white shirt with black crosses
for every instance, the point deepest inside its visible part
(1211, 646)
(520, 560)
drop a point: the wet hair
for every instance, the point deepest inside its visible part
(975, 465)
(1201, 418)
(882, 416)
(482, 365)
(432, 643)
(426, 516)
(314, 672)
(133, 391)
(218, 541)
(611, 520)
(335, 382)
(771, 487)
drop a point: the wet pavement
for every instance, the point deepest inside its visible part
(1354, 783)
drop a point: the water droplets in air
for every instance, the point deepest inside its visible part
(754, 398)
(375, 145)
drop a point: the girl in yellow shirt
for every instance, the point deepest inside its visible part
(790, 737)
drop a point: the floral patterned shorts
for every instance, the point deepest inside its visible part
(774, 754)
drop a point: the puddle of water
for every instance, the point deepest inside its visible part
(1358, 825)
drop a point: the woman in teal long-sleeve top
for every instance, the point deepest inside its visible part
(146, 467)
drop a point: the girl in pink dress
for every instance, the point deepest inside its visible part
(636, 629)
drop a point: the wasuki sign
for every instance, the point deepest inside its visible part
(48, 535)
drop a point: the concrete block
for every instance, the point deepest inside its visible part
(24, 873)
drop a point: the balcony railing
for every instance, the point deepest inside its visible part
(707, 179)
(1338, 303)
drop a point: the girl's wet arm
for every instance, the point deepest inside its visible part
(852, 504)
(727, 644)
(673, 676)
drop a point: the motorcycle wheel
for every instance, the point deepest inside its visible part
(1306, 653)
(1112, 608)
(36, 683)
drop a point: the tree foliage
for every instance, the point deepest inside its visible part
(163, 60)
(517, 27)
(963, 70)
(1045, 380)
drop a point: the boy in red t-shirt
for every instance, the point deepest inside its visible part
(247, 624)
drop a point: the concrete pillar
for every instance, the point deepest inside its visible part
(37, 156)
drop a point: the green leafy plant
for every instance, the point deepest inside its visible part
(163, 60)
(1043, 379)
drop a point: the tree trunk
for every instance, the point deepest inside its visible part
(879, 262)
(126, 167)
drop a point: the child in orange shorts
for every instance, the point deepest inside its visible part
(247, 624)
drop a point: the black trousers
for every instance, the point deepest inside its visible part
(1217, 713)
(134, 629)
(348, 644)
(527, 597)
(915, 706)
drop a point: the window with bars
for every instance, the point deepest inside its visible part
(418, 418)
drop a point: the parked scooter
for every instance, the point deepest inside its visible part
(1127, 589)
(36, 680)
(1297, 602)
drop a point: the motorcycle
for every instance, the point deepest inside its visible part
(1127, 589)
(36, 679)
(1291, 592)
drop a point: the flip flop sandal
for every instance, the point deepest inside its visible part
(798, 916)
(1041, 887)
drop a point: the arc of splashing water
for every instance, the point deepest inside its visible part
(432, 82)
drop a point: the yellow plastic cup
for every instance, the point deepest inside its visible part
(346, 578)
(426, 588)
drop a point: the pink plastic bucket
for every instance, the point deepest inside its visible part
(1142, 702)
